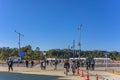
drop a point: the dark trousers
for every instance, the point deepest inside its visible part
(92, 66)
(27, 65)
(10, 68)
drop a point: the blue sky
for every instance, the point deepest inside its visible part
(52, 24)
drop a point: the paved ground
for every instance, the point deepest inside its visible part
(105, 75)
(22, 73)
(25, 76)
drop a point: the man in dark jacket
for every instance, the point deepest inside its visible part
(10, 65)
(66, 66)
(32, 63)
(27, 62)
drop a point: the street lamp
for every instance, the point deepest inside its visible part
(79, 40)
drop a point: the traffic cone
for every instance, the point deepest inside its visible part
(87, 76)
(82, 74)
(96, 76)
(17, 65)
(77, 71)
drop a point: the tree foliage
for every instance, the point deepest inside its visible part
(6, 52)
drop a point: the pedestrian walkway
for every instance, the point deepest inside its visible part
(56, 74)
(23, 73)
(104, 75)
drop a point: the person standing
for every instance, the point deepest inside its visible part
(41, 65)
(82, 63)
(78, 63)
(56, 62)
(27, 62)
(66, 66)
(10, 65)
(73, 66)
(87, 65)
(44, 65)
(32, 63)
(92, 64)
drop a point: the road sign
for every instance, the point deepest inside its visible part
(21, 54)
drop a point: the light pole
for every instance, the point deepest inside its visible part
(79, 40)
(19, 35)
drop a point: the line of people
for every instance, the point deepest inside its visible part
(29, 63)
(45, 63)
(76, 65)
(90, 64)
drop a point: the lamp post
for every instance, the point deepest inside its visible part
(79, 40)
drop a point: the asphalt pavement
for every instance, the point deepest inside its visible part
(23, 73)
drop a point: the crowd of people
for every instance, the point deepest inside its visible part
(28, 63)
(45, 63)
(76, 64)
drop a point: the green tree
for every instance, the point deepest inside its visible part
(14, 52)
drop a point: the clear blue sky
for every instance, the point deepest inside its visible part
(52, 24)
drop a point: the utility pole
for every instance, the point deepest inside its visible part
(73, 49)
(19, 35)
(79, 40)
(68, 47)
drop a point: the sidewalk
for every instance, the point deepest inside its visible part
(104, 75)
(35, 73)
(50, 72)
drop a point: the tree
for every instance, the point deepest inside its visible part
(26, 48)
(29, 54)
(37, 53)
(37, 49)
(14, 52)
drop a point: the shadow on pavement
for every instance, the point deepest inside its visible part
(21, 76)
